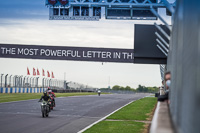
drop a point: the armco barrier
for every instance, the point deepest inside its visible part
(22, 90)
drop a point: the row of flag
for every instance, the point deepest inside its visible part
(38, 73)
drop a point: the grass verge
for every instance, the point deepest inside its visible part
(134, 118)
(116, 127)
(137, 110)
(26, 96)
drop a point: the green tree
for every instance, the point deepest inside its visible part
(128, 88)
(116, 87)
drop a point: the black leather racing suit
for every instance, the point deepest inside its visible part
(45, 97)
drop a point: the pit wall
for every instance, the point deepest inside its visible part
(22, 90)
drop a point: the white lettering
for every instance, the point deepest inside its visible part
(59, 53)
(89, 54)
(103, 54)
(109, 54)
(26, 51)
(48, 52)
(20, 52)
(68, 52)
(118, 55)
(42, 51)
(78, 54)
(53, 53)
(84, 54)
(35, 51)
(8, 50)
(127, 55)
(3, 49)
(13, 51)
(64, 52)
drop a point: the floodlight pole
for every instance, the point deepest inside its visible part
(24, 81)
(1, 80)
(30, 81)
(6, 80)
(10, 80)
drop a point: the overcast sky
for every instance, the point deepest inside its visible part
(26, 22)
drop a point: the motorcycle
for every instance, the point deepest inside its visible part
(99, 93)
(45, 108)
(52, 102)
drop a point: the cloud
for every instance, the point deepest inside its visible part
(26, 22)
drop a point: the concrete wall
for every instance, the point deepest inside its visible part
(184, 64)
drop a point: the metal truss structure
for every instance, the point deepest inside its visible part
(105, 9)
(117, 9)
(113, 3)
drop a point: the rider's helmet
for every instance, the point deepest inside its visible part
(49, 92)
(45, 93)
(48, 88)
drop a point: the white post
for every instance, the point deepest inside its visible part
(80, 11)
(70, 11)
(103, 13)
(58, 11)
(90, 11)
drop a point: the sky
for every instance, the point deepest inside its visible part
(26, 22)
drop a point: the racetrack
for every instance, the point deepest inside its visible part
(70, 115)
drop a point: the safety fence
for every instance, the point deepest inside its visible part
(28, 84)
(22, 90)
(73, 90)
(79, 86)
(118, 91)
(20, 81)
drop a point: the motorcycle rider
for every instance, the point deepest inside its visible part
(51, 94)
(99, 92)
(45, 97)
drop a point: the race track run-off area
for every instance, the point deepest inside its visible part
(70, 115)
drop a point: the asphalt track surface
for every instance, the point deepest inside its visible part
(70, 115)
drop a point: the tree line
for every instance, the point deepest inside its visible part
(140, 88)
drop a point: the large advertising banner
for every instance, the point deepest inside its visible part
(66, 53)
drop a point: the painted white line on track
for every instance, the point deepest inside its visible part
(103, 118)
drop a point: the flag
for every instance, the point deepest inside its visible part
(48, 74)
(38, 72)
(52, 75)
(34, 73)
(28, 72)
(43, 73)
